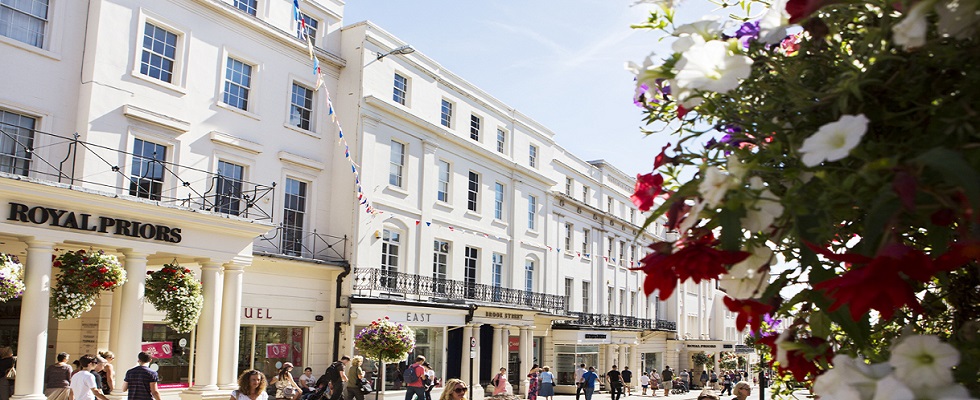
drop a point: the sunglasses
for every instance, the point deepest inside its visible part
(461, 389)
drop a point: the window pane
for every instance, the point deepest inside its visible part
(276, 345)
(294, 216)
(238, 81)
(301, 107)
(159, 53)
(400, 92)
(443, 192)
(14, 145)
(228, 188)
(447, 113)
(475, 123)
(175, 368)
(247, 6)
(24, 20)
(146, 173)
(473, 192)
(397, 163)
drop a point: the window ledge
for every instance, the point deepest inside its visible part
(473, 214)
(169, 86)
(500, 223)
(397, 190)
(33, 49)
(444, 206)
(303, 131)
(239, 111)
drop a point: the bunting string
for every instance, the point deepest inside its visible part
(362, 198)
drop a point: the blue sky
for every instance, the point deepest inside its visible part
(560, 62)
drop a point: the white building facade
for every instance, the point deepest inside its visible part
(495, 244)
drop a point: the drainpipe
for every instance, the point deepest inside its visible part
(336, 325)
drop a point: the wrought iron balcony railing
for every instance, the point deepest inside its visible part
(617, 321)
(295, 242)
(146, 173)
(372, 281)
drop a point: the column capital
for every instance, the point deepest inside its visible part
(132, 253)
(39, 244)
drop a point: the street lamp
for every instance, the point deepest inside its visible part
(406, 49)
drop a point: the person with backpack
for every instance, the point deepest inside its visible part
(413, 377)
(500, 382)
(332, 380)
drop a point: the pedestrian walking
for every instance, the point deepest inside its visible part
(500, 382)
(714, 380)
(579, 387)
(645, 383)
(547, 388)
(668, 380)
(413, 376)
(615, 380)
(355, 376)
(704, 379)
(107, 372)
(430, 380)
(83, 384)
(140, 382)
(655, 381)
(588, 382)
(57, 379)
(336, 377)
(627, 379)
(6, 363)
(726, 384)
(533, 382)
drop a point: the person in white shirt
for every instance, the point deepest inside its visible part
(579, 382)
(644, 382)
(83, 385)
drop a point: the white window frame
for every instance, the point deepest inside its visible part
(585, 194)
(501, 141)
(397, 169)
(569, 186)
(445, 180)
(404, 92)
(45, 34)
(532, 212)
(473, 191)
(532, 156)
(586, 296)
(498, 200)
(585, 241)
(569, 228)
(312, 109)
(446, 113)
(476, 127)
(178, 80)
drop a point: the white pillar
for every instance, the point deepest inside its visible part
(115, 317)
(525, 356)
(33, 331)
(231, 320)
(131, 310)
(208, 329)
(476, 394)
(611, 356)
(464, 362)
(623, 356)
(496, 355)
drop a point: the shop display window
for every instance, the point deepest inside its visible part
(429, 342)
(267, 348)
(172, 353)
(567, 357)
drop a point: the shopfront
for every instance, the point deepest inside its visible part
(432, 328)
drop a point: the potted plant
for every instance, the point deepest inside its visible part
(175, 291)
(11, 278)
(83, 277)
(386, 342)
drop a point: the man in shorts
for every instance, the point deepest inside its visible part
(668, 379)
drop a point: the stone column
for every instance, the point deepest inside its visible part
(497, 347)
(623, 356)
(475, 393)
(33, 330)
(114, 318)
(208, 329)
(131, 310)
(464, 362)
(611, 358)
(524, 352)
(231, 321)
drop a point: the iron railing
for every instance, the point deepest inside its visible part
(617, 321)
(374, 281)
(68, 160)
(293, 242)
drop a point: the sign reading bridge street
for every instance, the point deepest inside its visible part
(40, 215)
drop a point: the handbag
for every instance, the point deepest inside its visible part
(289, 391)
(12, 373)
(366, 386)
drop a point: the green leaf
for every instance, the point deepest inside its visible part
(954, 170)
(885, 207)
(820, 324)
(731, 230)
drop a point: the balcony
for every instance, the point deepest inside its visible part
(617, 321)
(300, 244)
(371, 282)
(67, 160)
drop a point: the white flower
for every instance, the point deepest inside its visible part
(685, 42)
(923, 361)
(736, 167)
(692, 217)
(851, 378)
(834, 140)
(744, 280)
(890, 388)
(714, 185)
(709, 27)
(958, 18)
(686, 96)
(948, 392)
(763, 212)
(647, 73)
(772, 26)
(711, 67)
(911, 32)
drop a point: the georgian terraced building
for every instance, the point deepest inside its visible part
(192, 131)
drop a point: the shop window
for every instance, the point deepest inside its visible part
(267, 348)
(173, 367)
(429, 342)
(567, 357)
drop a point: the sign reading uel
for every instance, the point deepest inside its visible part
(39, 215)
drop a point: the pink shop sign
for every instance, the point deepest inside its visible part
(159, 349)
(277, 350)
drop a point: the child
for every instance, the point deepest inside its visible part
(644, 382)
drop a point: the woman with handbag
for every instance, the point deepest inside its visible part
(286, 387)
(355, 379)
(7, 372)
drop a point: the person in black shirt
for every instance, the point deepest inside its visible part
(627, 379)
(615, 380)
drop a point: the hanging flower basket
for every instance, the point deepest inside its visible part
(84, 275)
(11, 278)
(175, 291)
(385, 341)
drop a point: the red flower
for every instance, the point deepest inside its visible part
(691, 258)
(661, 158)
(748, 311)
(647, 188)
(103, 270)
(93, 285)
(801, 9)
(80, 252)
(681, 112)
(796, 360)
(876, 284)
(57, 264)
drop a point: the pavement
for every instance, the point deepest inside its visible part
(692, 395)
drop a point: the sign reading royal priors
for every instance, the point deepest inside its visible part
(39, 215)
